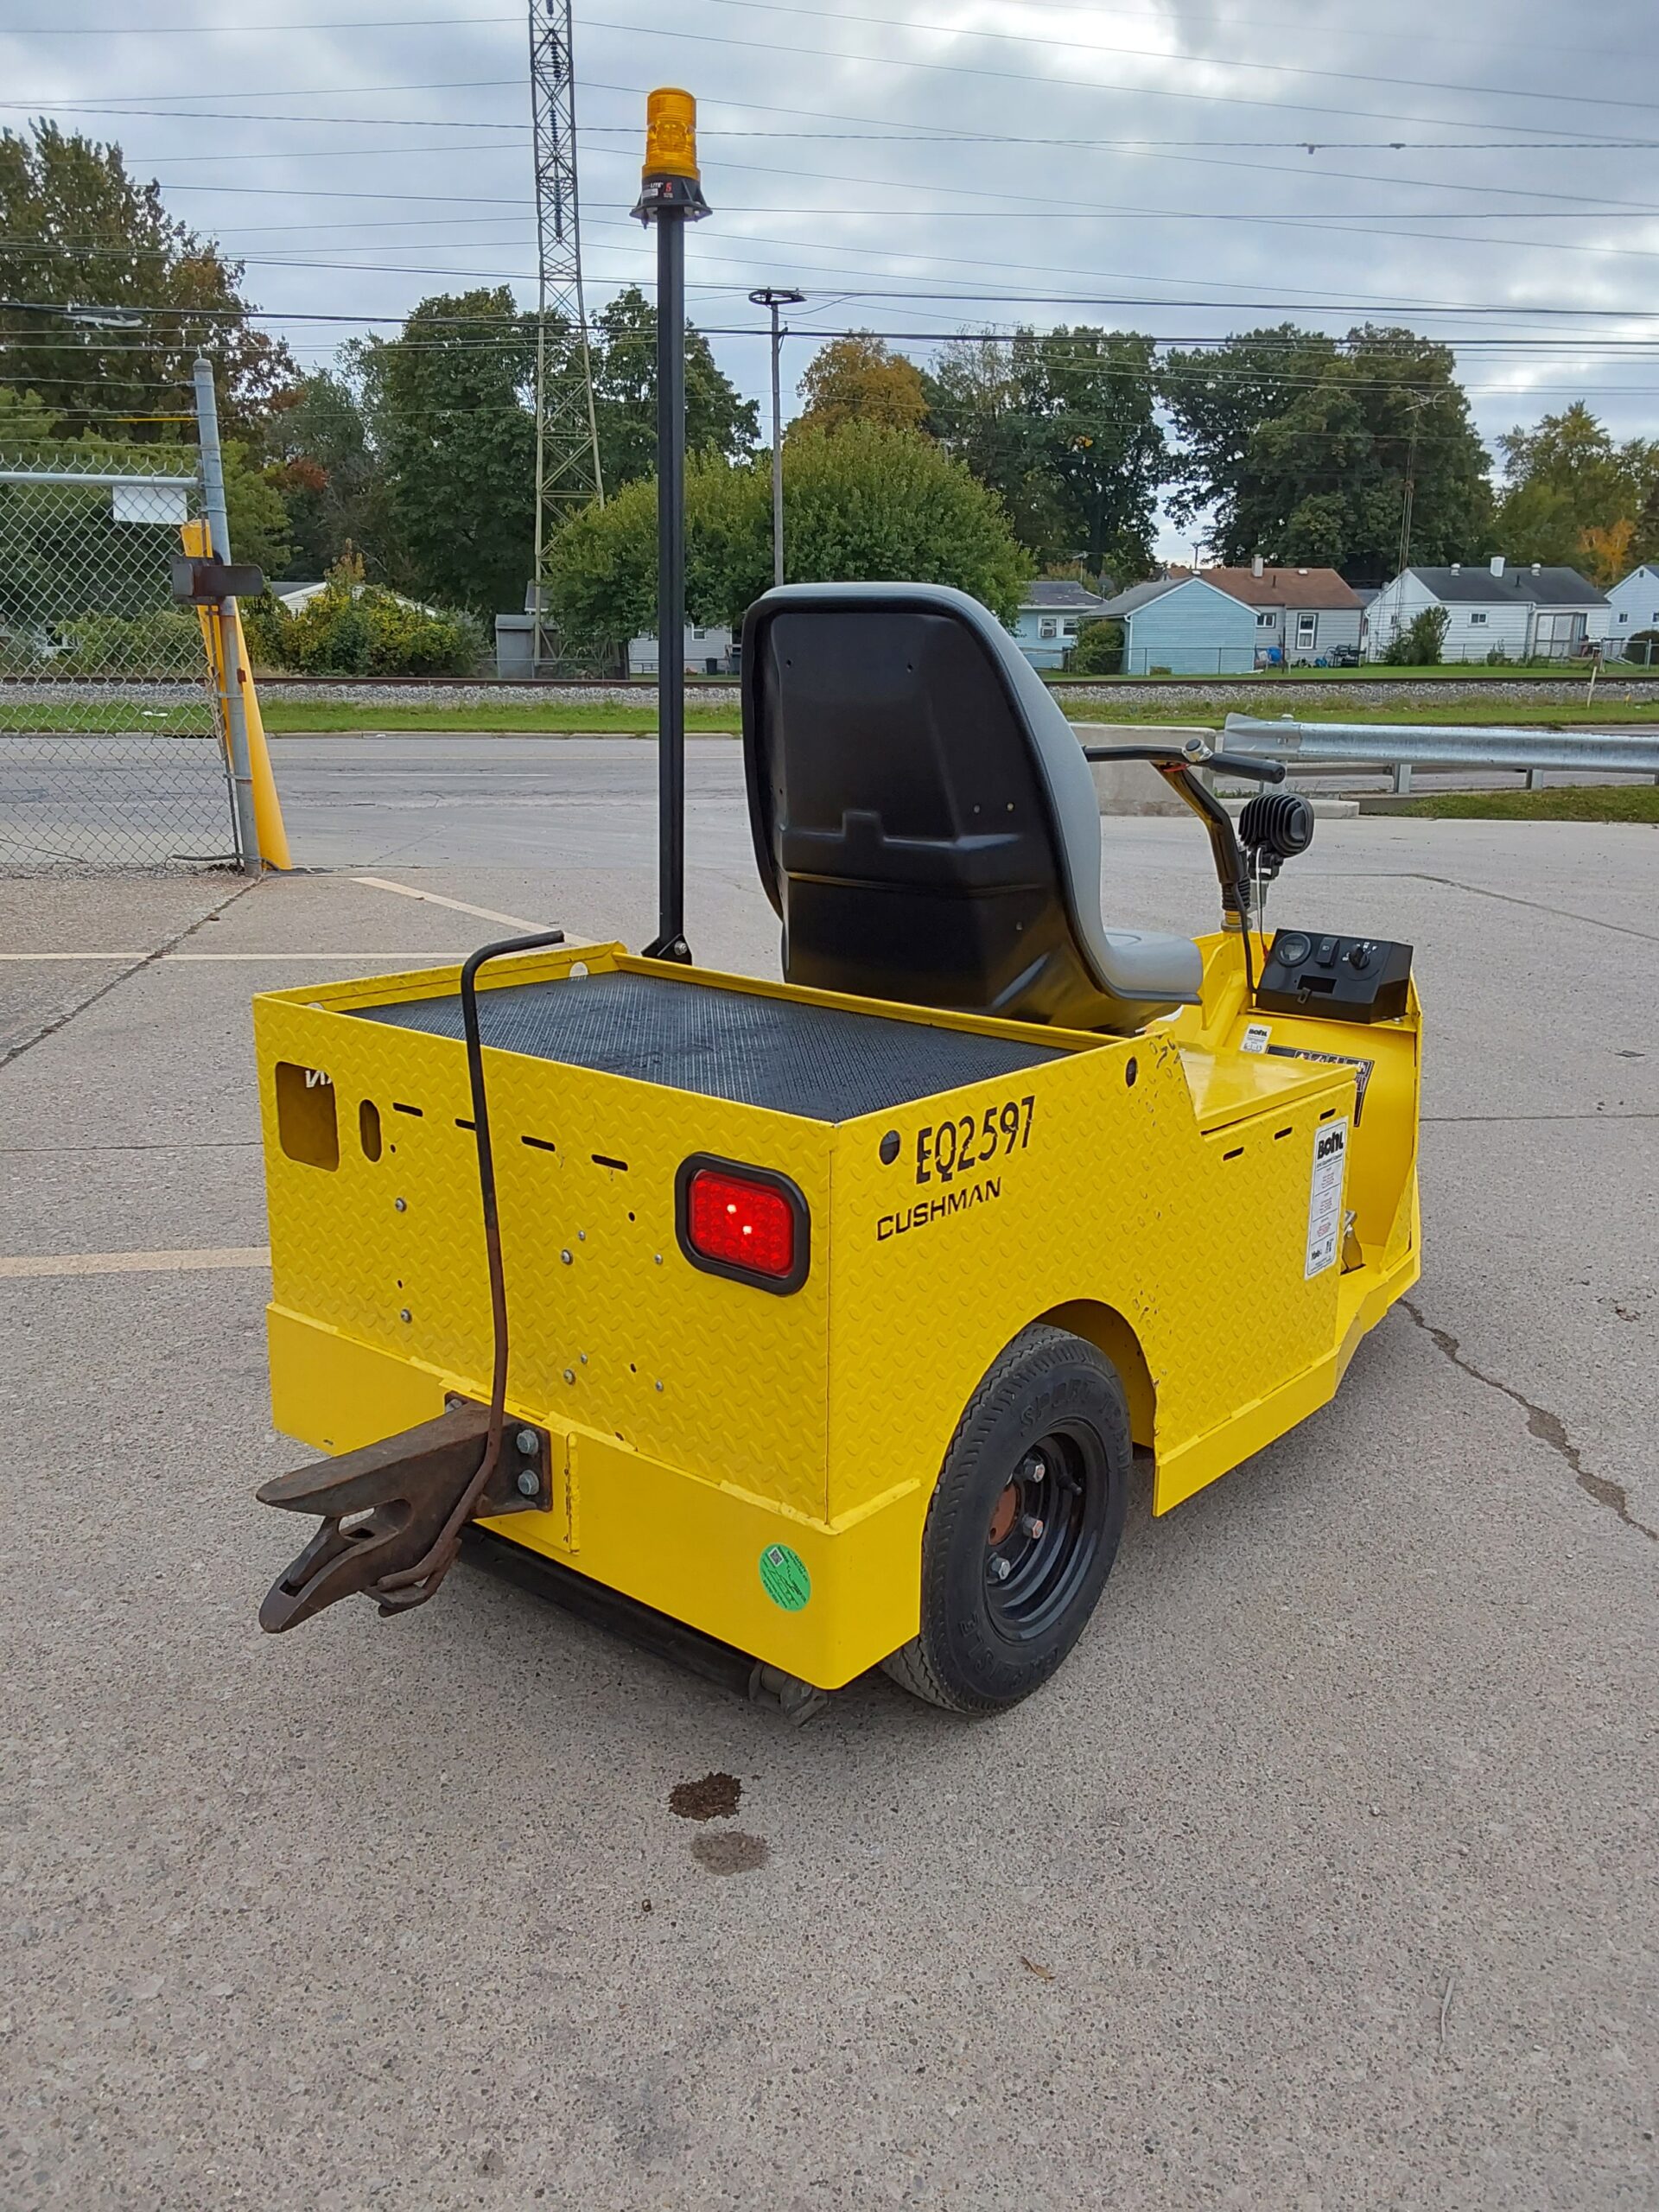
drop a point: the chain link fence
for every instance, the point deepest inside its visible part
(112, 750)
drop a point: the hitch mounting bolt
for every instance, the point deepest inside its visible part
(570, 1374)
(403, 1314)
(528, 1442)
(400, 1205)
(565, 1257)
(530, 1482)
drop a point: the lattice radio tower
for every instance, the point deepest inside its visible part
(567, 435)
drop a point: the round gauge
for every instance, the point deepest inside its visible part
(1290, 949)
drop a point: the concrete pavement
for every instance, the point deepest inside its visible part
(1322, 1876)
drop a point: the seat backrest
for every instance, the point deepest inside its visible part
(925, 823)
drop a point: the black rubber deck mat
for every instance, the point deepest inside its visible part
(819, 1062)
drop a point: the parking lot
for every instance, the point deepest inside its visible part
(1322, 1876)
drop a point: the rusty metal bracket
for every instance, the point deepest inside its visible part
(392, 1512)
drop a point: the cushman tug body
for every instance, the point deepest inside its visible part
(820, 1316)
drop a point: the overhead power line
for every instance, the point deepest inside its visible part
(1053, 86)
(1116, 51)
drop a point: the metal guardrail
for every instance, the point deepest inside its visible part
(1402, 746)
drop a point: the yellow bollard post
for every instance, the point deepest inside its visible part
(267, 806)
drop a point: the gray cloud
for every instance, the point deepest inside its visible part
(1163, 177)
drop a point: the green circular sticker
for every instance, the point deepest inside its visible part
(784, 1577)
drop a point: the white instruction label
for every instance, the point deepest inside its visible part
(1256, 1037)
(1325, 1196)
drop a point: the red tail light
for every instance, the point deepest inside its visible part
(747, 1223)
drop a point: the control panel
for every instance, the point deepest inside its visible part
(1344, 978)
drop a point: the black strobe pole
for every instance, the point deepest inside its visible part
(671, 197)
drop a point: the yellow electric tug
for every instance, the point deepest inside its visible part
(810, 1326)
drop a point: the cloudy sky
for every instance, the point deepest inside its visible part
(922, 166)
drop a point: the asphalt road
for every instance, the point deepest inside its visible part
(425, 800)
(421, 799)
(1322, 1876)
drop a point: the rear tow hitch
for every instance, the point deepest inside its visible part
(393, 1512)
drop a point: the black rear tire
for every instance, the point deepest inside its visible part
(1024, 1525)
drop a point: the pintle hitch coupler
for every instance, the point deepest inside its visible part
(393, 1512)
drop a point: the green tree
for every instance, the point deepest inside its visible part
(1644, 542)
(718, 419)
(320, 458)
(74, 226)
(976, 411)
(1420, 643)
(866, 503)
(1061, 425)
(1301, 445)
(1099, 649)
(255, 511)
(448, 408)
(354, 628)
(1565, 478)
(862, 379)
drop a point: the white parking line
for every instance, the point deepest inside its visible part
(135, 1263)
(459, 906)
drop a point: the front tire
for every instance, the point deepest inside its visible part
(1024, 1525)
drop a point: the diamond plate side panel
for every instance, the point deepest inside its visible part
(623, 1336)
(1198, 1242)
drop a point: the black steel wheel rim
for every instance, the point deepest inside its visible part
(1043, 1533)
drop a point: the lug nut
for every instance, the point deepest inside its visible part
(1030, 1526)
(528, 1442)
(1001, 1570)
(1034, 1469)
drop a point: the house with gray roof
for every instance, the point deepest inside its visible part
(1633, 607)
(1182, 626)
(1051, 614)
(1494, 609)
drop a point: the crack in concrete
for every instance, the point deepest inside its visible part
(148, 960)
(1548, 1428)
(1537, 905)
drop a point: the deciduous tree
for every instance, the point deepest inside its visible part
(329, 475)
(1566, 479)
(718, 419)
(862, 379)
(1300, 446)
(865, 503)
(448, 408)
(76, 227)
(1061, 425)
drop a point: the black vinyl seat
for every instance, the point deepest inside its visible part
(924, 821)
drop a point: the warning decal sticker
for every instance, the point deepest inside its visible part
(1325, 1197)
(1256, 1037)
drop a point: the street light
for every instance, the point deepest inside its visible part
(774, 296)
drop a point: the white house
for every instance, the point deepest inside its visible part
(1050, 616)
(1522, 613)
(1633, 605)
(708, 652)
